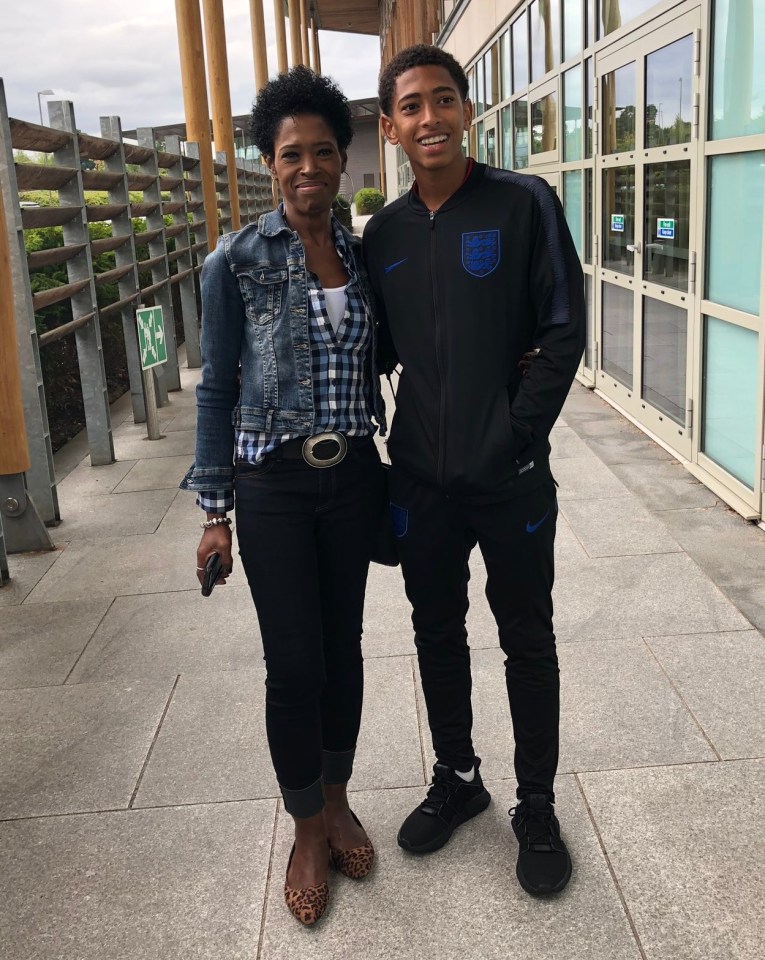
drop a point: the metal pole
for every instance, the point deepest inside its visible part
(220, 95)
(281, 36)
(195, 105)
(150, 396)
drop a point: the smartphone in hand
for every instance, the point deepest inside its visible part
(213, 569)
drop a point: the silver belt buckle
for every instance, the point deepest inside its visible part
(312, 442)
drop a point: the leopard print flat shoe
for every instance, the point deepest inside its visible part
(306, 904)
(355, 863)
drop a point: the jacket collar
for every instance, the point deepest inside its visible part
(473, 178)
(271, 224)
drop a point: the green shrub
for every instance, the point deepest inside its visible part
(342, 211)
(369, 200)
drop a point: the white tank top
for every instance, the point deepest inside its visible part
(334, 297)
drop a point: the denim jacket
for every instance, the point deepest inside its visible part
(255, 313)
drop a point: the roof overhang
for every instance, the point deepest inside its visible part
(348, 16)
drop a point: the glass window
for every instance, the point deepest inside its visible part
(589, 86)
(615, 13)
(572, 28)
(481, 143)
(730, 397)
(668, 79)
(520, 53)
(734, 238)
(471, 85)
(665, 337)
(479, 92)
(572, 114)
(507, 138)
(507, 77)
(617, 333)
(738, 69)
(491, 143)
(520, 134)
(619, 109)
(588, 216)
(618, 219)
(590, 319)
(572, 205)
(491, 73)
(544, 124)
(545, 36)
(667, 216)
(592, 22)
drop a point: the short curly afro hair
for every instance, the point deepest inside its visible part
(420, 55)
(298, 92)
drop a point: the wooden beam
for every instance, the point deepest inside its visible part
(281, 36)
(296, 44)
(258, 27)
(220, 94)
(14, 452)
(316, 59)
(304, 33)
(195, 104)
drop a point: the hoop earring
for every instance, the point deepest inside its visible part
(343, 202)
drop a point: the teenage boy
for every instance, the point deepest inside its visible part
(481, 301)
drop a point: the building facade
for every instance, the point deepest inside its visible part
(648, 119)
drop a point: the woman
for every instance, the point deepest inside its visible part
(286, 302)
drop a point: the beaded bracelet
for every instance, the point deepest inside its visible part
(207, 524)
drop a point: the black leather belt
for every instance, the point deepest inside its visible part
(321, 450)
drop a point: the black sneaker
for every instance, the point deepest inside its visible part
(544, 864)
(450, 802)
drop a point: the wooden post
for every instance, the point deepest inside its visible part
(304, 32)
(296, 44)
(381, 144)
(281, 36)
(220, 95)
(315, 44)
(14, 452)
(258, 27)
(195, 104)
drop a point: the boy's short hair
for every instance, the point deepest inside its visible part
(300, 91)
(420, 55)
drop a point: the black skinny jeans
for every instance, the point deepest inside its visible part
(305, 536)
(516, 538)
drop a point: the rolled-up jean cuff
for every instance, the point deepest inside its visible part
(337, 766)
(306, 802)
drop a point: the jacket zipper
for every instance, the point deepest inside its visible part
(440, 469)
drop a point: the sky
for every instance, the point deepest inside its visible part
(121, 58)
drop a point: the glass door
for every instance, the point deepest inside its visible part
(646, 180)
(490, 140)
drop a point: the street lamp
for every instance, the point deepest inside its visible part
(43, 93)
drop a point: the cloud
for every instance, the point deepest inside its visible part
(109, 62)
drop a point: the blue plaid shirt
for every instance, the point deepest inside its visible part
(341, 390)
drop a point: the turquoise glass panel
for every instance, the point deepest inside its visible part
(738, 69)
(734, 237)
(730, 398)
(572, 114)
(572, 205)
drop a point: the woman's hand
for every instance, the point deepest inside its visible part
(215, 539)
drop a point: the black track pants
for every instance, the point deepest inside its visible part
(516, 538)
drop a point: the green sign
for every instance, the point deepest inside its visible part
(665, 227)
(151, 337)
(617, 223)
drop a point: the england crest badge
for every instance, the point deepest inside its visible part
(480, 252)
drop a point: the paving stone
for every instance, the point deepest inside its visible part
(388, 627)
(164, 634)
(174, 444)
(664, 486)
(185, 419)
(586, 478)
(227, 709)
(87, 481)
(111, 515)
(40, 643)
(183, 515)
(687, 854)
(625, 597)
(26, 570)
(462, 901)
(565, 443)
(157, 473)
(617, 528)
(177, 884)
(720, 677)
(75, 748)
(125, 566)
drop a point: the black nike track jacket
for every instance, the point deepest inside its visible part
(462, 294)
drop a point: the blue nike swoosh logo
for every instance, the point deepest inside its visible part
(396, 264)
(531, 527)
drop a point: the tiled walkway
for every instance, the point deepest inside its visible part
(138, 810)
